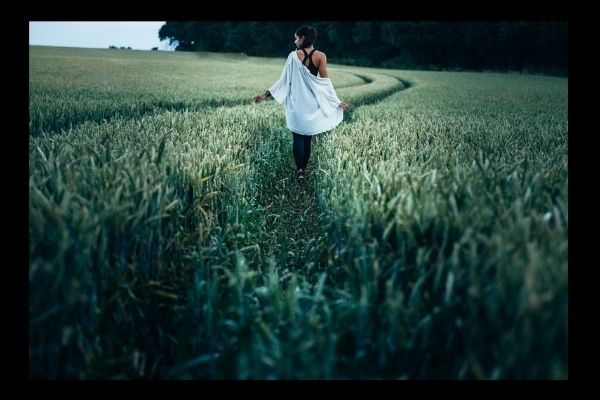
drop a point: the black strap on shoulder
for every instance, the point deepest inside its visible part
(305, 56)
(309, 56)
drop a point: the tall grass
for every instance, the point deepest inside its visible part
(459, 203)
(430, 240)
(71, 86)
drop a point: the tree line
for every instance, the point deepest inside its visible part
(523, 46)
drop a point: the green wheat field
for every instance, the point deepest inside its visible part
(168, 238)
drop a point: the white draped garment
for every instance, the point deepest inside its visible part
(310, 102)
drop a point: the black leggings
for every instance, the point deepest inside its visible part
(301, 149)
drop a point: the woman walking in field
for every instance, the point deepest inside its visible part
(311, 104)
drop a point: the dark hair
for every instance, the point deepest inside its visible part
(309, 33)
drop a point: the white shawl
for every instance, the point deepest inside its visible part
(311, 104)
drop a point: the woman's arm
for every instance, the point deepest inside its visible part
(323, 65)
(280, 89)
(262, 96)
(323, 73)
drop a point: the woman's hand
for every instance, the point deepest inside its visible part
(345, 106)
(260, 97)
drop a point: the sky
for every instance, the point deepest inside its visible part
(139, 35)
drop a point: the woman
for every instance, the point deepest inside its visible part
(311, 104)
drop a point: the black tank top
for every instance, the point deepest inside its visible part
(311, 67)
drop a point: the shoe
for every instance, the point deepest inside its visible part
(300, 176)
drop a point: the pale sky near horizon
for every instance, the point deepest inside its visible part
(139, 35)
